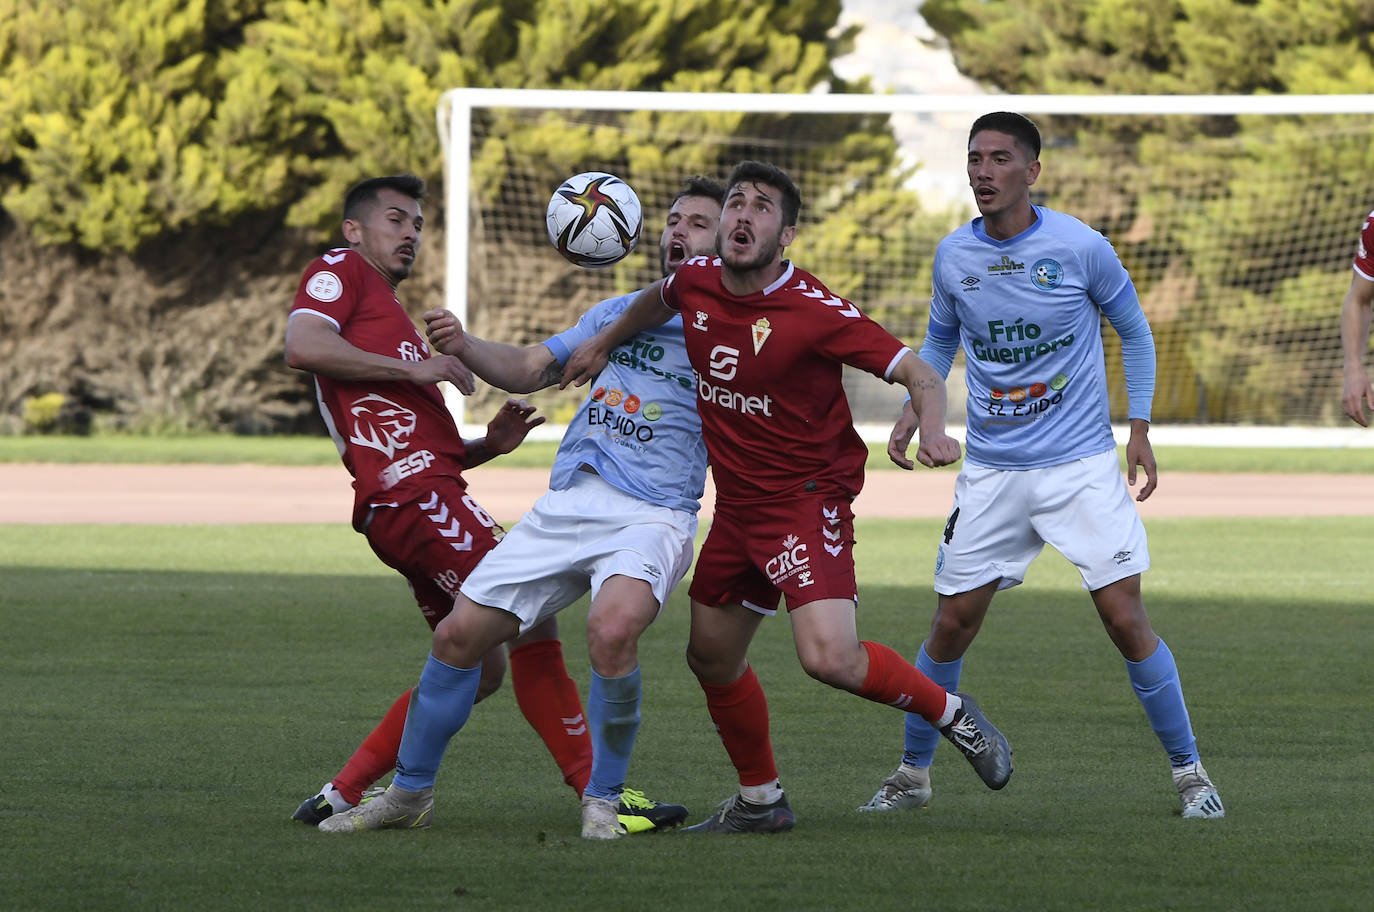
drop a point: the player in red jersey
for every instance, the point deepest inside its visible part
(1355, 319)
(767, 343)
(376, 384)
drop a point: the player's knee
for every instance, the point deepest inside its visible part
(837, 668)
(1132, 634)
(711, 666)
(613, 642)
(945, 629)
(448, 636)
(461, 641)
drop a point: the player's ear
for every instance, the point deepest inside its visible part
(352, 232)
(789, 234)
(1032, 172)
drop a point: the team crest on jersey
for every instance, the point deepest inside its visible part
(1047, 274)
(324, 286)
(380, 424)
(760, 331)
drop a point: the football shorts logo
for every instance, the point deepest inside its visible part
(1047, 274)
(324, 286)
(380, 424)
(724, 362)
(791, 561)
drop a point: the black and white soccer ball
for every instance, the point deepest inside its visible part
(594, 219)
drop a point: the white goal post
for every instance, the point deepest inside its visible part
(460, 110)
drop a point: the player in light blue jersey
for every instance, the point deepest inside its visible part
(619, 519)
(1023, 289)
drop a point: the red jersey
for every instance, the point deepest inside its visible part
(393, 435)
(768, 369)
(1364, 254)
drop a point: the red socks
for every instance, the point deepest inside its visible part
(376, 756)
(896, 682)
(550, 702)
(548, 699)
(740, 712)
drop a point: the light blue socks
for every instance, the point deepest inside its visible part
(1155, 681)
(921, 738)
(439, 705)
(613, 723)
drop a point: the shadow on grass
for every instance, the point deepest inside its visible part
(160, 726)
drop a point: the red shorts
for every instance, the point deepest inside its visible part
(434, 542)
(800, 547)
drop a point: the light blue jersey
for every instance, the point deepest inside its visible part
(1028, 311)
(639, 427)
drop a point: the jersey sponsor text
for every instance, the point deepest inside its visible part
(732, 401)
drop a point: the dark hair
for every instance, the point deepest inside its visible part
(364, 193)
(705, 187)
(1018, 126)
(754, 172)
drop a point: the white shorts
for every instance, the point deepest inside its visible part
(572, 541)
(1003, 519)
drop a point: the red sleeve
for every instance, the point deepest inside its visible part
(689, 274)
(844, 333)
(668, 292)
(1364, 255)
(330, 288)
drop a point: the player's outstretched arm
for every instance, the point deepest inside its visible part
(646, 311)
(508, 367)
(1356, 314)
(1140, 454)
(927, 389)
(505, 431)
(314, 345)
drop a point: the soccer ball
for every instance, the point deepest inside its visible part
(594, 219)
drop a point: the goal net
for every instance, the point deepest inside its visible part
(1236, 216)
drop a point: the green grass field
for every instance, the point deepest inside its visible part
(171, 694)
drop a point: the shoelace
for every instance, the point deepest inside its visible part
(727, 806)
(968, 736)
(634, 798)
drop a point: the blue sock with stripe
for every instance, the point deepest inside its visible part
(921, 737)
(613, 722)
(439, 706)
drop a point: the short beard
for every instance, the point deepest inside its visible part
(764, 258)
